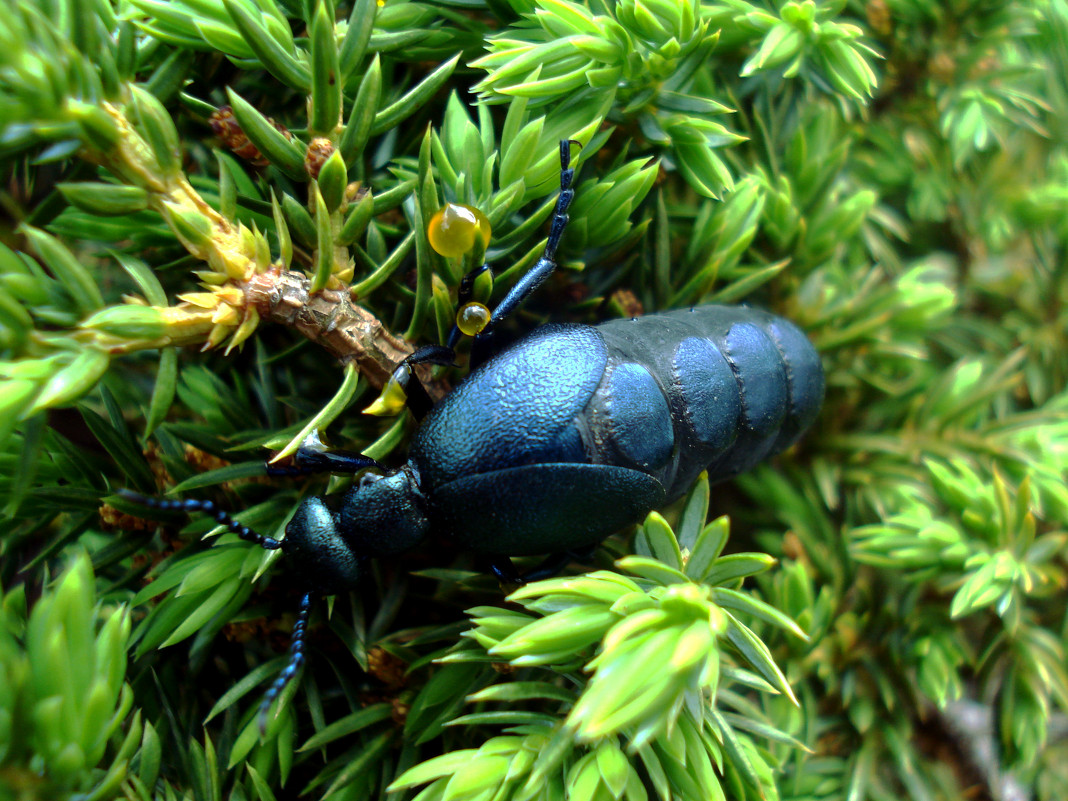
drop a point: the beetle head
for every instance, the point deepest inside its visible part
(316, 552)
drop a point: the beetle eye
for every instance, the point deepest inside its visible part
(453, 228)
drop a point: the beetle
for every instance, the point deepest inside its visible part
(550, 446)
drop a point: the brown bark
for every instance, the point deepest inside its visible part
(331, 319)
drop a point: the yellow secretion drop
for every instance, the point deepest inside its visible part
(452, 229)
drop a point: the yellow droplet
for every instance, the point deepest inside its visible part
(452, 229)
(390, 402)
(472, 318)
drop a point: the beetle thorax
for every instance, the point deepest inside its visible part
(384, 515)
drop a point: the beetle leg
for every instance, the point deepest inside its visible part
(308, 461)
(464, 296)
(536, 275)
(550, 566)
(504, 570)
(404, 389)
(467, 286)
(555, 562)
(314, 457)
(482, 349)
(416, 398)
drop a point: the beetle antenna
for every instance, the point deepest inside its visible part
(221, 516)
(296, 659)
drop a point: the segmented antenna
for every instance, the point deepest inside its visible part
(221, 516)
(296, 646)
(296, 659)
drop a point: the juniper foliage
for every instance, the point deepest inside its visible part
(216, 245)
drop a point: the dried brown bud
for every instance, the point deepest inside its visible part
(225, 126)
(319, 150)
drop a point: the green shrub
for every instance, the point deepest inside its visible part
(217, 246)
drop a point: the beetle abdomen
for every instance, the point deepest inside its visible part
(738, 385)
(601, 424)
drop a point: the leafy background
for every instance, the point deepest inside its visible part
(887, 618)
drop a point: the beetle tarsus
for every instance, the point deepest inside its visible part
(503, 568)
(549, 567)
(563, 201)
(556, 562)
(506, 572)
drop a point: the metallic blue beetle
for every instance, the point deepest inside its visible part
(573, 433)
(550, 446)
